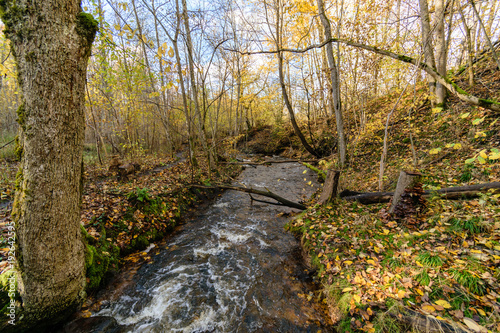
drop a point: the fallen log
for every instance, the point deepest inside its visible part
(449, 193)
(281, 201)
(270, 162)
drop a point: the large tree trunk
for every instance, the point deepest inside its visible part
(52, 41)
(335, 83)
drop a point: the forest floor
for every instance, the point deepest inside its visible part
(438, 269)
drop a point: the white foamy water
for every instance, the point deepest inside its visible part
(223, 273)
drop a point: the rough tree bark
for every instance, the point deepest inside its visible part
(52, 41)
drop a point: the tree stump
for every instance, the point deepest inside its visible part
(331, 186)
(407, 181)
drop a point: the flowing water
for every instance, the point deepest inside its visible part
(231, 269)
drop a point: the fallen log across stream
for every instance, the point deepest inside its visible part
(269, 162)
(281, 201)
(449, 193)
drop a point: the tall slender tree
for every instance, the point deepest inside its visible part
(334, 73)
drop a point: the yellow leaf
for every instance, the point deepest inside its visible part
(481, 312)
(357, 298)
(428, 308)
(171, 52)
(483, 154)
(443, 303)
(434, 151)
(345, 290)
(457, 146)
(371, 262)
(347, 262)
(420, 292)
(370, 312)
(319, 255)
(304, 171)
(401, 293)
(419, 264)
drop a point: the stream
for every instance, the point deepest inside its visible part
(232, 268)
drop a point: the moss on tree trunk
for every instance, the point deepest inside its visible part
(51, 40)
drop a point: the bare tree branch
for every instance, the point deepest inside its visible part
(451, 86)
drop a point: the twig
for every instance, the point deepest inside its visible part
(8, 143)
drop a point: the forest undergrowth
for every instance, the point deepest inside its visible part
(437, 270)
